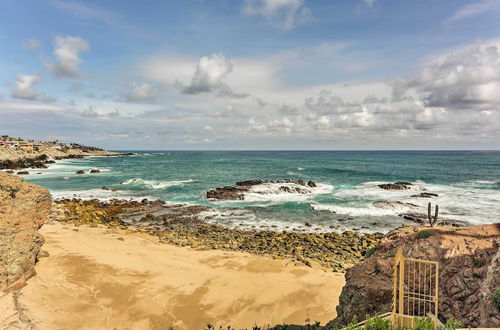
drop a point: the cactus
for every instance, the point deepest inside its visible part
(432, 221)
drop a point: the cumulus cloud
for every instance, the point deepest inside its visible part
(284, 13)
(32, 44)
(328, 103)
(67, 51)
(144, 92)
(468, 78)
(209, 77)
(24, 87)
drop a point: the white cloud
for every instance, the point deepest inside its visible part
(32, 44)
(24, 87)
(474, 9)
(284, 13)
(84, 11)
(67, 51)
(209, 77)
(144, 92)
(328, 103)
(468, 78)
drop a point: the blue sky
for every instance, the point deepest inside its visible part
(252, 74)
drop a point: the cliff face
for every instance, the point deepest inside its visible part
(23, 209)
(469, 261)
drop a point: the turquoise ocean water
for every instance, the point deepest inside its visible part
(467, 182)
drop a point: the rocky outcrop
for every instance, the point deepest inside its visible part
(19, 163)
(393, 205)
(237, 191)
(23, 209)
(400, 185)
(425, 195)
(469, 261)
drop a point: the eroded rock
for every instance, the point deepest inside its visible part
(24, 207)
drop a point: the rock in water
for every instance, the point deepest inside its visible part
(425, 195)
(24, 207)
(400, 185)
(237, 191)
(80, 172)
(469, 271)
(95, 171)
(394, 205)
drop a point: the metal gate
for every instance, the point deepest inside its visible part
(415, 290)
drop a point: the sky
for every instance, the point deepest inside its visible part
(252, 74)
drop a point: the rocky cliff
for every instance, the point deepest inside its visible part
(23, 209)
(469, 261)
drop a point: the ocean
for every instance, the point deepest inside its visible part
(467, 184)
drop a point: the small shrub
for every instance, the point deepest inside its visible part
(451, 324)
(496, 299)
(423, 234)
(405, 224)
(424, 324)
(377, 323)
(476, 276)
(370, 252)
(479, 262)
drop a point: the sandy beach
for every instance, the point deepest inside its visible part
(97, 278)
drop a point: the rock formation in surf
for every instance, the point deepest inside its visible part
(237, 191)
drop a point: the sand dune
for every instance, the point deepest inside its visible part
(96, 278)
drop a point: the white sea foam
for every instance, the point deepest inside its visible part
(300, 168)
(103, 195)
(272, 192)
(469, 204)
(155, 184)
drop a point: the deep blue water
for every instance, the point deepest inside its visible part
(468, 184)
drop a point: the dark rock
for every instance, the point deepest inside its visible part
(95, 171)
(415, 217)
(307, 224)
(251, 182)
(393, 205)
(311, 184)
(23, 173)
(425, 195)
(400, 185)
(105, 188)
(237, 191)
(80, 172)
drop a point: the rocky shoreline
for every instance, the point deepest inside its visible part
(183, 225)
(20, 159)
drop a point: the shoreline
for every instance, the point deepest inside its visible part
(183, 225)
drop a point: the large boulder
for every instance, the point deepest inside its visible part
(237, 191)
(469, 273)
(23, 209)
